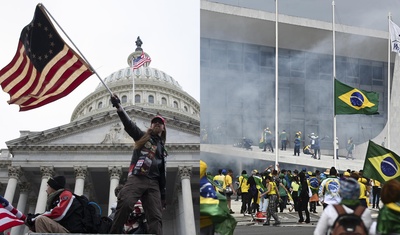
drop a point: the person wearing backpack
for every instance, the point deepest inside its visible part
(357, 217)
(63, 212)
(147, 172)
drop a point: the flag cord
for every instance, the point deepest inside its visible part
(91, 67)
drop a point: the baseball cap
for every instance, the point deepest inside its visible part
(158, 118)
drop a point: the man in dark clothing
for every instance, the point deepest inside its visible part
(63, 212)
(253, 191)
(147, 173)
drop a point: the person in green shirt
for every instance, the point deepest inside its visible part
(283, 137)
(389, 214)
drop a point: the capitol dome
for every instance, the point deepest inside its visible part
(154, 90)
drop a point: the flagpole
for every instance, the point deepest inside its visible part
(91, 67)
(276, 85)
(133, 82)
(333, 82)
(388, 91)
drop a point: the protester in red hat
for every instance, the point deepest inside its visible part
(63, 212)
(147, 173)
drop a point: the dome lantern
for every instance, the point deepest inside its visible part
(138, 52)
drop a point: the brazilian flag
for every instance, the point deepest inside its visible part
(214, 209)
(381, 164)
(350, 100)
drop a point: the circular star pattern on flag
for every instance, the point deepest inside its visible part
(357, 99)
(389, 167)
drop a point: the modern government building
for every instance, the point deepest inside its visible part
(237, 92)
(93, 151)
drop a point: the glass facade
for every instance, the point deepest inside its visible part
(238, 93)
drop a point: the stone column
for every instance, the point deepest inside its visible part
(31, 209)
(14, 172)
(47, 173)
(185, 173)
(180, 216)
(80, 175)
(115, 175)
(23, 198)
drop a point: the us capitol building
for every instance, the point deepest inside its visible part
(93, 151)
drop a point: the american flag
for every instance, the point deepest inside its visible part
(44, 68)
(141, 60)
(9, 216)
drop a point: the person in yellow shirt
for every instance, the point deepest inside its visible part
(363, 188)
(273, 196)
(376, 193)
(229, 184)
(246, 198)
(220, 180)
(294, 189)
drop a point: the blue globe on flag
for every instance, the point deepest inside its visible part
(357, 99)
(389, 167)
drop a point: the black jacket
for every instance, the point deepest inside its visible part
(153, 149)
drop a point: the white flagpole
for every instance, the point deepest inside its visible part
(388, 81)
(276, 85)
(133, 81)
(334, 77)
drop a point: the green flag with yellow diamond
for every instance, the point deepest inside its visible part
(350, 100)
(381, 164)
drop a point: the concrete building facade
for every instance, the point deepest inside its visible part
(238, 76)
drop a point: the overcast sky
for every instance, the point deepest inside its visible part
(105, 32)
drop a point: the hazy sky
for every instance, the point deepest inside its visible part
(105, 32)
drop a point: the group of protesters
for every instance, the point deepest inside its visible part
(267, 192)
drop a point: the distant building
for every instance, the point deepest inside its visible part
(238, 75)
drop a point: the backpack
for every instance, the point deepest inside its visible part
(92, 220)
(350, 224)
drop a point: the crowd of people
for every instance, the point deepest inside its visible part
(271, 191)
